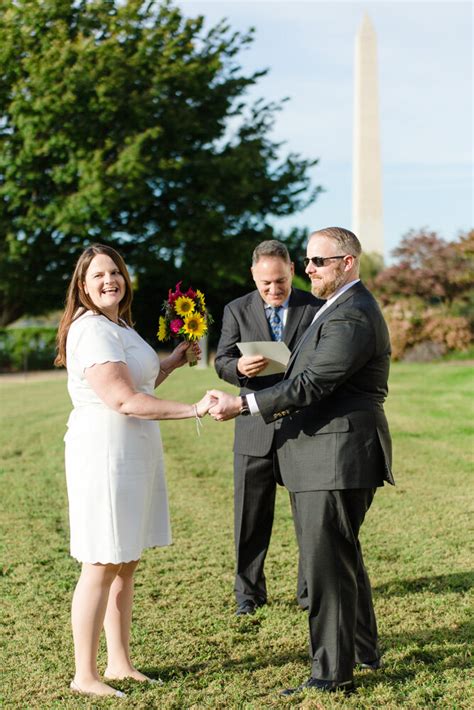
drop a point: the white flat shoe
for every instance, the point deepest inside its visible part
(76, 689)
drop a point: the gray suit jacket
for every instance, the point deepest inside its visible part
(244, 320)
(332, 432)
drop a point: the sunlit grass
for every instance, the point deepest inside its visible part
(417, 543)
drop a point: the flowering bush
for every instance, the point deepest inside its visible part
(411, 323)
(454, 332)
(429, 268)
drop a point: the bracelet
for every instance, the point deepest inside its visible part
(198, 420)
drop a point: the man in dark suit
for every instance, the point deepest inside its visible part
(334, 450)
(251, 318)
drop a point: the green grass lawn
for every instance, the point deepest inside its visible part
(416, 541)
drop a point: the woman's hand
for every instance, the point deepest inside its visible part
(178, 356)
(204, 405)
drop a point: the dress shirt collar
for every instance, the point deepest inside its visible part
(340, 291)
(282, 312)
(335, 296)
(283, 305)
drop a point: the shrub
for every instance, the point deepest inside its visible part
(411, 323)
(27, 349)
(441, 327)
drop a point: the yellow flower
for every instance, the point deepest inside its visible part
(195, 326)
(201, 299)
(162, 329)
(184, 305)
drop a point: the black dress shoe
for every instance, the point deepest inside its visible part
(248, 606)
(369, 665)
(326, 686)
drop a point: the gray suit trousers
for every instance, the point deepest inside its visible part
(254, 504)
(342, 625)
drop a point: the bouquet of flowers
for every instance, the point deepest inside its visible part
(185, 317)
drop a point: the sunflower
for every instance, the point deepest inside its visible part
(162, 329)
(201, 299)
(184, 306)
(195, 326)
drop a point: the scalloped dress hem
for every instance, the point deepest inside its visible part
(118, 559)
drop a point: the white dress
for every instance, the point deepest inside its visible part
(118, 503)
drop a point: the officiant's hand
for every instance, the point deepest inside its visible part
(251, 365)
(227, 406)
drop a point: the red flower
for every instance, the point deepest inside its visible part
(190, 293)
(172, 296)
(176, 325)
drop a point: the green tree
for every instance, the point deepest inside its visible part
(371, 264)
(126, 123)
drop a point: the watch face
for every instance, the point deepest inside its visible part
(245, 411)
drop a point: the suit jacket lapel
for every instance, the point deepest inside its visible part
(293, 318)
(338, 302)
(293, 355)
(259, 317)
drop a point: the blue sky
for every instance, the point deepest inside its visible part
(426, 102)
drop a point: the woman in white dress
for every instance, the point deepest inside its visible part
(114, 461)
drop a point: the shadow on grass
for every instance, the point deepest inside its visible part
(440, 584)
(433, 650)
(413, 659)
(247, 662)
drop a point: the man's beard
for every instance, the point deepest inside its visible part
(325, 289)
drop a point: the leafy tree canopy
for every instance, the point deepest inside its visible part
(128, 124)
(430, 268)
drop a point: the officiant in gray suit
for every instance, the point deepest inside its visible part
(334, 451)
(274, 311)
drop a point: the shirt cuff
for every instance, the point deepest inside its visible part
(252, 402)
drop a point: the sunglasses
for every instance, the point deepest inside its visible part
(319, 260)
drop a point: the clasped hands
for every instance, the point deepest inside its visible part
(220, 405)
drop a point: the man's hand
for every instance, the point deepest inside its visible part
(227, 406)
(251, 365)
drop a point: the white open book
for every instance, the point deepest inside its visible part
(276, 352)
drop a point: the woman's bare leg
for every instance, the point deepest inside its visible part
(117, 624)
(89, 605)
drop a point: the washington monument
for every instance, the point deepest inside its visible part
(367, 218)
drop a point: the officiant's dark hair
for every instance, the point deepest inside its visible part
(270, 247)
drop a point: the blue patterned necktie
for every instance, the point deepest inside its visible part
(275, 322)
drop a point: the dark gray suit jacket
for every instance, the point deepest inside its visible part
(244, 320)
(332, 432)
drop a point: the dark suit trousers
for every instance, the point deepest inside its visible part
(254, 506)
(342, 625)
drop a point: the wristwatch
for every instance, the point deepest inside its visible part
(244, 409)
